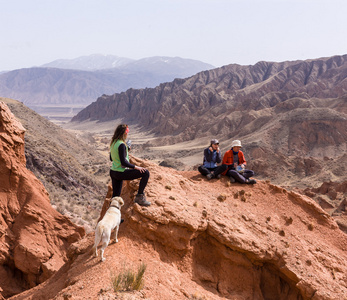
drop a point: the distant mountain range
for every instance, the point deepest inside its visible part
(288, 115)
(82, 80)
(223, 96)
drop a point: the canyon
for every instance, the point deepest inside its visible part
(282, 238)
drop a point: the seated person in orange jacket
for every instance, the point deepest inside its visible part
(235, 162)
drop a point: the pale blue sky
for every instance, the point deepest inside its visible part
(218, 32)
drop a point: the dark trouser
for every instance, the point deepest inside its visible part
(215, 171)
(241, 178)
(128, 174)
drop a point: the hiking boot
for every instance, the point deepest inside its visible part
(232, 180)
(141, 200)
(218, 176)
(251, 181)
(209, 176)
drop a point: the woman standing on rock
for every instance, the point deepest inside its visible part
(122, 169)
(235, 162)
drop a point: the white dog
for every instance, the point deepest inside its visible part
(110, 221)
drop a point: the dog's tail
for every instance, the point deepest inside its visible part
(98, 235)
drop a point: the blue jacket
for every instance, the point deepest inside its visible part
(211, 158)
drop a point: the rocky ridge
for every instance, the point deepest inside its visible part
(34, 237)
(212, 240)
(211, 97)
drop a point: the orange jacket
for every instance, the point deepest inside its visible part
(228, 159)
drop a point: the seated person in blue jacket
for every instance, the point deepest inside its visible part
(212, 157)
(235, 164)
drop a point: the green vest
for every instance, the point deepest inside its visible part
(116, 164)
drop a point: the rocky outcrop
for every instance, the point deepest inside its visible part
(213, 240)
(262, 242)
(33, 236)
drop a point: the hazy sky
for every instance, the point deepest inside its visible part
(219, 32)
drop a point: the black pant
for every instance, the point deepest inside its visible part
(241, 178)
(216, 171)
(128, 174)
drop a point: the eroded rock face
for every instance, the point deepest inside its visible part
(33, 236)
(259, 242)
(212, 240)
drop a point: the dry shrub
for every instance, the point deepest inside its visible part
(129, 280)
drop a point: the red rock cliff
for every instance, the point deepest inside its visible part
(33, 236)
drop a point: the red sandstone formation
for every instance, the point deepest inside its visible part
(211, 240)
(33, 236)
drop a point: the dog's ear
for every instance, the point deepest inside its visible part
(120, 201)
